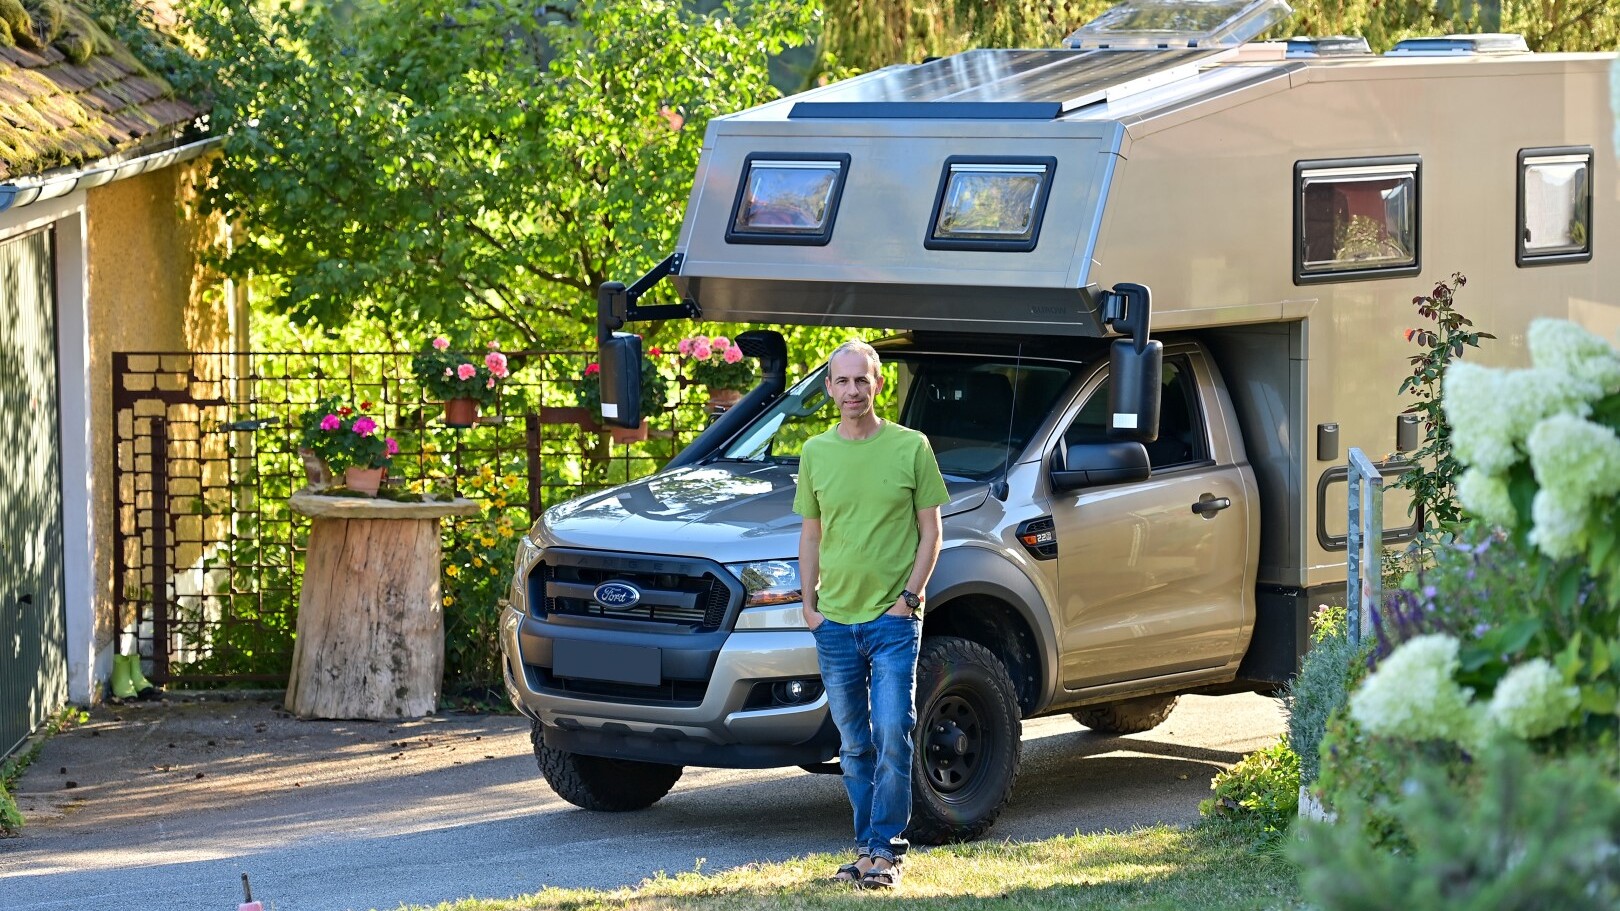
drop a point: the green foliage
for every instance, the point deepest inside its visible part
(445, 374)
(12, 767)
(1330, 669)
(516, 156)
(1263, 787)
(345, 437)
(1433, 476)
(1364, 772)
(1514, 834)
(479, 553)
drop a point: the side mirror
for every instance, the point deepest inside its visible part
(620, 358)
(1097, 464)
(1135, 384)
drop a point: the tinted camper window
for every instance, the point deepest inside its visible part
(787, 199)
(1555, 206)
(1355, 218)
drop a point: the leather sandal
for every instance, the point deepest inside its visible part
(882, 877)
(851, 872)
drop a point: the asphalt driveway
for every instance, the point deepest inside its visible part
(162, 807)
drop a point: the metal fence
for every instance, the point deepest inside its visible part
(207, 556)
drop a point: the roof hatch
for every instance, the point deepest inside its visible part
(1163, 24)
(1460, 46)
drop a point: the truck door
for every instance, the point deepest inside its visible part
(1152, 574)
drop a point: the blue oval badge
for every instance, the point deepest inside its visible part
(617, 594)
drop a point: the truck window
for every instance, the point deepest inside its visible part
(977, 412)
(1355, 218)
(1181, 427)
(1555, 206)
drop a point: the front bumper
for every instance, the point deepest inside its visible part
(713, 725)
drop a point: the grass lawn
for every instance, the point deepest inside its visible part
(1212, 867)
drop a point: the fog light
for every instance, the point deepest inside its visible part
(795, 692)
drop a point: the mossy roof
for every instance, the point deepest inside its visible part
(56, 113)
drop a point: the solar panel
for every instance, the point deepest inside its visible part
(996, 84)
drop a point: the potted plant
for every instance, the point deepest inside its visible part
(459, 381)
(718, 364)
(350, 442)
(654, 392)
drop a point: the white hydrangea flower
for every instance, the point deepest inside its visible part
(1486, 496)
(1471, 397)
(1533, 701)
(1559, 523)
(1559, 344)
(1577, 456)
(1412, 694)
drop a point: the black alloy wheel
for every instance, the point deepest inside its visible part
(966, 740)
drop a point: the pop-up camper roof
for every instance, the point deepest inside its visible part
(962, 192)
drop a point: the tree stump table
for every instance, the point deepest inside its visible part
(370, 639)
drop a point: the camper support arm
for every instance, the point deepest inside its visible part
(619, 353)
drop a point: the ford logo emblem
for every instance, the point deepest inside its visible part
(617, 594)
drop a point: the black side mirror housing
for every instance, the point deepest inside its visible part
(1135, 385)
(620, 358)
(1097, 464)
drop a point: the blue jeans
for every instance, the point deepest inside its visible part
(870, 671)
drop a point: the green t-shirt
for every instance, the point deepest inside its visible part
(866, 494)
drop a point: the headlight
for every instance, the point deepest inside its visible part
(528, 554)
(768, 581)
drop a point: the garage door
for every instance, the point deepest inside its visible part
(33, 658)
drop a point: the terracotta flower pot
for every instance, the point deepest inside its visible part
(461, 412)
(629, 434)
(722, 399)
(363, 480)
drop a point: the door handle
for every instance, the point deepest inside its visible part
(25, 599)
(1207, 505)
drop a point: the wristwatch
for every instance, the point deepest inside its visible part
(913, 601)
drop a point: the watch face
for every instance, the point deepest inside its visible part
(911, 600)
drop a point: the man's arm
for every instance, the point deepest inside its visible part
(927, 556)
(810, 569)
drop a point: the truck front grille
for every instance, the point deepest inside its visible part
(698, 602)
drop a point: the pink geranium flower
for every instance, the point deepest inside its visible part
(391, 447)
(685, 347)
(701, 351)
(365, 426)
(496, 362)
(494, 346)
(331, 422)
(720, 343)
(449, 372)
(733, 355)
(489, 383)
(465, 372)
(441, 343)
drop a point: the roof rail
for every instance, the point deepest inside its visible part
(1460, 45)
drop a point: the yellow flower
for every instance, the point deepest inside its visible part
(448, 600)
(486, 473)
(452, 570)
(486, 541)
(478, 561)
(500, 502)
(509, 481)
(429, 448)
(506, 531)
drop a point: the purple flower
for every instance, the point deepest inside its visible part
(364, 426)
(331, 422)
(391, 447)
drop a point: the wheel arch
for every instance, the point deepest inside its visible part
(977, 595)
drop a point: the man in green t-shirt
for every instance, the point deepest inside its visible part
(869, 492)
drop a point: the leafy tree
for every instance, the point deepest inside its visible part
(435, 161)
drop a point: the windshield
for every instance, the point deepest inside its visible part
(977, 412)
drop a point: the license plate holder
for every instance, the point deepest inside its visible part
(609, 662)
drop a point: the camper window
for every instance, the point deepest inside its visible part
(1355, 218)
(1555, 206)
(990, 203)
(787, 199)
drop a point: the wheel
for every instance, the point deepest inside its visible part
(1129, 716)
(966, 742)
(595, 783)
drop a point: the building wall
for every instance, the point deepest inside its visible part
(149, 290)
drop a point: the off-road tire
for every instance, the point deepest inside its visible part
(1129, 716)
(967, 746)
(595, 783)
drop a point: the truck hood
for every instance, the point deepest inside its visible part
(728, 511)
